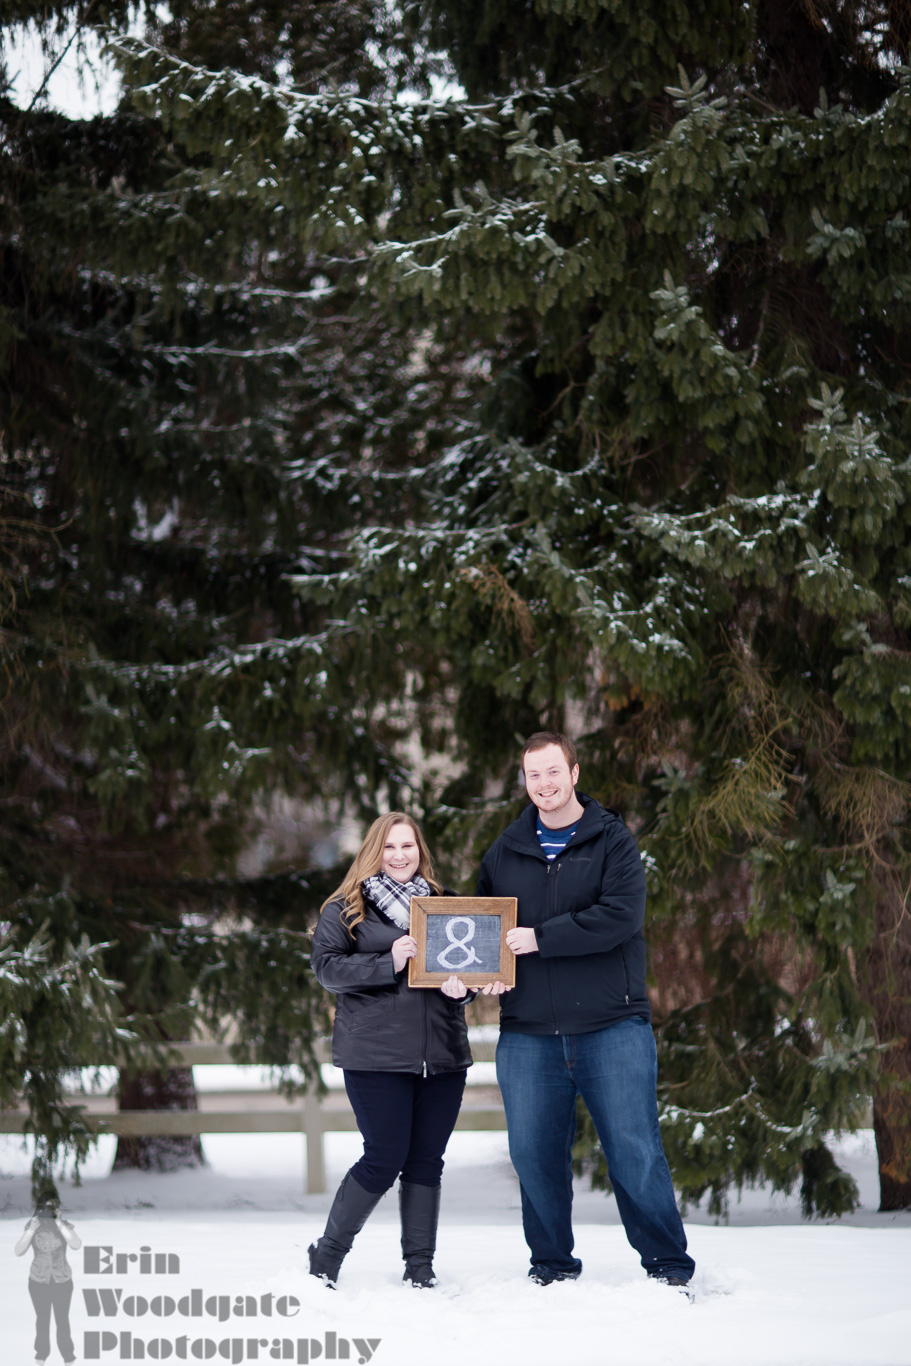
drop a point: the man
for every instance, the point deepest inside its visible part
(579, 1019)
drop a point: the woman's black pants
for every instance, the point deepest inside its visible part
(56, 1295)
(405, 1121)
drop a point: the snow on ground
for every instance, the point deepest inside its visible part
(772, 1290)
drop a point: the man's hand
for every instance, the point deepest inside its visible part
(522, 940)
(454, 988)
(402, 950)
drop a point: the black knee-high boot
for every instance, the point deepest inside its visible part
(420, 1210)
(349, 1213)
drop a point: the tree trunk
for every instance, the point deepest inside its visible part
(890, 982)
(892, 1130)
(171, 1090)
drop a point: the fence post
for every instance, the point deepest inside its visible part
(311, 1122)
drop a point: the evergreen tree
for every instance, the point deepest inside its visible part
(679, 518)
(198, 400)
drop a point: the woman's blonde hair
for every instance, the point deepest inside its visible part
(369, 860)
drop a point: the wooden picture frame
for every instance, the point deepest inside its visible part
(479, 938)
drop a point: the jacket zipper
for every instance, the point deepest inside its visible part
(625, 973)
(552, 871)
(424, 1035)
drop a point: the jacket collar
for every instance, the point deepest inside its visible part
(523, 837)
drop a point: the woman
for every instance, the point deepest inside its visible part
(404, 1050)
(50, 1279)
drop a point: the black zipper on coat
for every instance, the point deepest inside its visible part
(423, 1033)
(625, 972)
(552, 871)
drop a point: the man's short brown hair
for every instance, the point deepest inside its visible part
(542, 738)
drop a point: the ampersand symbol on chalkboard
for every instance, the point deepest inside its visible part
(462, 944)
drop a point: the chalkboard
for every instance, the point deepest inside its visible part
(462, 943)
(465, 935)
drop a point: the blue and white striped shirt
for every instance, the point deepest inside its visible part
(553, 842)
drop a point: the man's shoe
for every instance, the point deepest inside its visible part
(543, 1275)
(677, 1283)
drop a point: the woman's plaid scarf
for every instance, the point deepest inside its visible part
(394, 898)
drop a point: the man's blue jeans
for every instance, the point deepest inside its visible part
(616, 1072)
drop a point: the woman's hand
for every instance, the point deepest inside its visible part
(454, 988)
(402, 950)
(495, 989)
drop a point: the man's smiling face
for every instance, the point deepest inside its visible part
(549, 780)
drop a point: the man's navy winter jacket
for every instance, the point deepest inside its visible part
(587, 910)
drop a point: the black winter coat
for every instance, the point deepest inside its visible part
(587, 909)
(382, 1024)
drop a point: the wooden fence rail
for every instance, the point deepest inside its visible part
(260, 1112)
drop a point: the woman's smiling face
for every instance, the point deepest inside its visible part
(401, 855)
